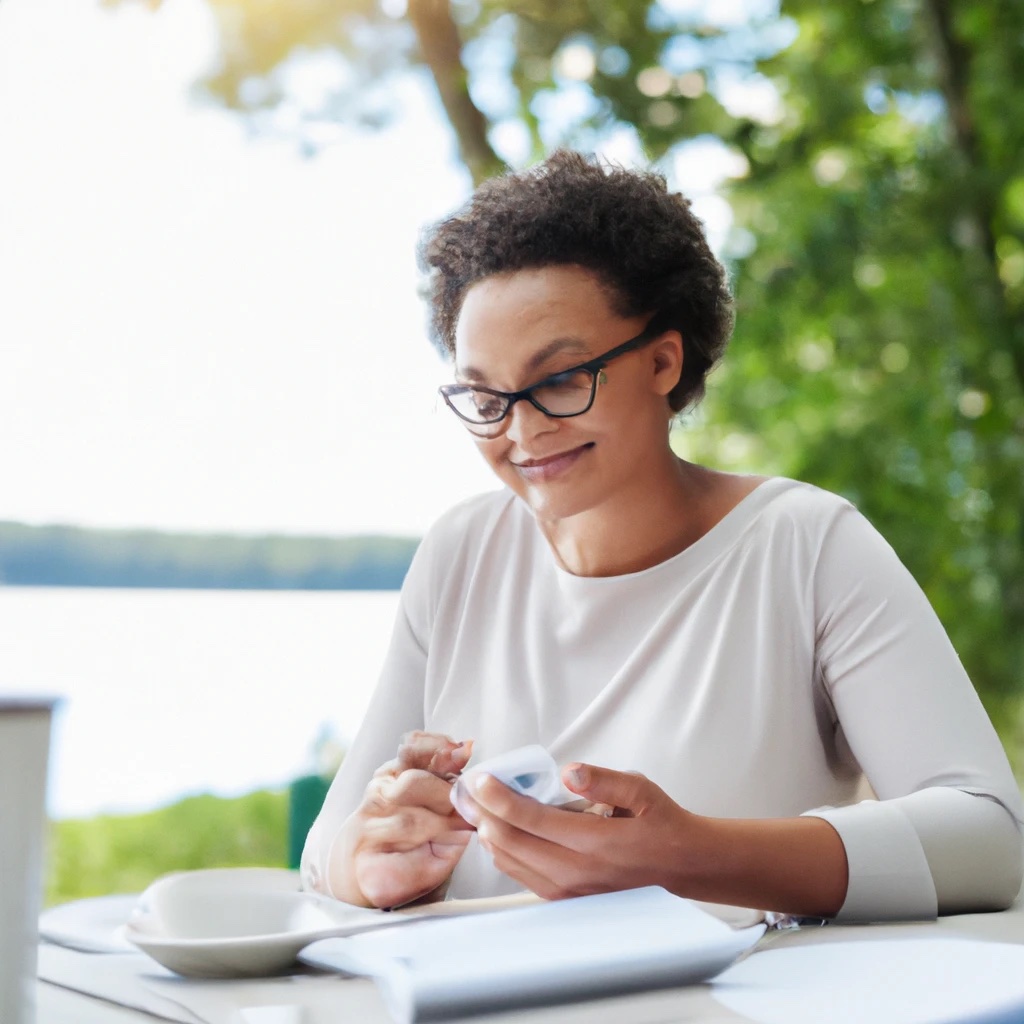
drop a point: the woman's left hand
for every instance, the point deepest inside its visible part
(558, 853)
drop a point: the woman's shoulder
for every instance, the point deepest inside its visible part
(794, 516)
(781, 506)
(473, 512)
(788, 497)
(454, 546)
(469, 522)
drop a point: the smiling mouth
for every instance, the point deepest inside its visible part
(552, 464)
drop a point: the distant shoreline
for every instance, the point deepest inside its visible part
(233, 588)
(71, 556)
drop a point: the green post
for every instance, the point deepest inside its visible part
(305, 798)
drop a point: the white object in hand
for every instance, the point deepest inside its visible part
(530, 771)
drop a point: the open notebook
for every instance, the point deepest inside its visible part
(550, 952)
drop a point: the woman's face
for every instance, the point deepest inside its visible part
(516, 329)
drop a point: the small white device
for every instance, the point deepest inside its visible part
(530, 771)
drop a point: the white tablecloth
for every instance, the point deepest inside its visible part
(328, 1000)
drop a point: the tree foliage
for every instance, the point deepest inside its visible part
(878, 239)
(880, 335)
(125, 853)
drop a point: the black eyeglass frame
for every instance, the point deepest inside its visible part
(654, 328)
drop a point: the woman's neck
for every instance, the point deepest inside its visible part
(635, 530)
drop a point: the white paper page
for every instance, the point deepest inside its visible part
(615, 942)
(137, 982)
(309, 999)
(116, 977)
(895, 981)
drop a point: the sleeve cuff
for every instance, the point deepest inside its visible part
(889, 876)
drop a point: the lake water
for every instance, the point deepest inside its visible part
(170, 692)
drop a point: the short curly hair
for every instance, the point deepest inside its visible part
(643, 242)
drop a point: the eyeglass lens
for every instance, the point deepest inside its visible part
(565, 394)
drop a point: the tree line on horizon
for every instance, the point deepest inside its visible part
(81, 557)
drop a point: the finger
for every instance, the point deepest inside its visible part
(409, 827)
(628, 792)
(551, 871)
(388, 879)
(526, 875)
(449, 761)
(450, 840)
(417, 749)
(388, 768)
(385, 794)
(416, 788)
(546, 887)
(496, 803)
(607, 857)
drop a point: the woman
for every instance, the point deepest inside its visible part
(722, 659)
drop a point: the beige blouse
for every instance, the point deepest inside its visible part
(765, 671)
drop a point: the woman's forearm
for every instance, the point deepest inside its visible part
(792, 865)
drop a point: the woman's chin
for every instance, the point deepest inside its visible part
(554, 502)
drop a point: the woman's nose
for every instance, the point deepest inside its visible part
(526, 421)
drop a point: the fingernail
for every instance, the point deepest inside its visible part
(577, 775)
(476, 782)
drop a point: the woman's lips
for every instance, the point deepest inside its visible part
(550, 466)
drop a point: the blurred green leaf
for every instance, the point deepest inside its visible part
(124, 853)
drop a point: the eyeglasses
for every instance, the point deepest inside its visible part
(566, 393)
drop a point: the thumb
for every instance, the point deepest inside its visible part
(630, 791)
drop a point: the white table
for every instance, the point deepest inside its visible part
(358, 1000)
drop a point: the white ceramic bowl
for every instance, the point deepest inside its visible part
(236, 922)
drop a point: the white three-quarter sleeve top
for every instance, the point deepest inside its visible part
(765, 671)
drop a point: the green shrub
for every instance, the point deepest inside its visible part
(106, 854)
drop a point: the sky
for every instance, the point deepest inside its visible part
(202, 330)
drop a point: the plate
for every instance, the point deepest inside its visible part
(94, 925)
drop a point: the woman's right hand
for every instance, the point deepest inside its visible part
(404, 840)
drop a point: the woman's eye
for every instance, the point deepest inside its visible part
(487, 405)
(572, 380)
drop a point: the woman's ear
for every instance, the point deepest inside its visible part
(668, 361)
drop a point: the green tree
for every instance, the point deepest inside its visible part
(880, 339)
(124, 853)
(878, 244)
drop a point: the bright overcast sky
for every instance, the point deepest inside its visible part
(199, 330)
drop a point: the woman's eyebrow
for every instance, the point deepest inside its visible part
(568, 344)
